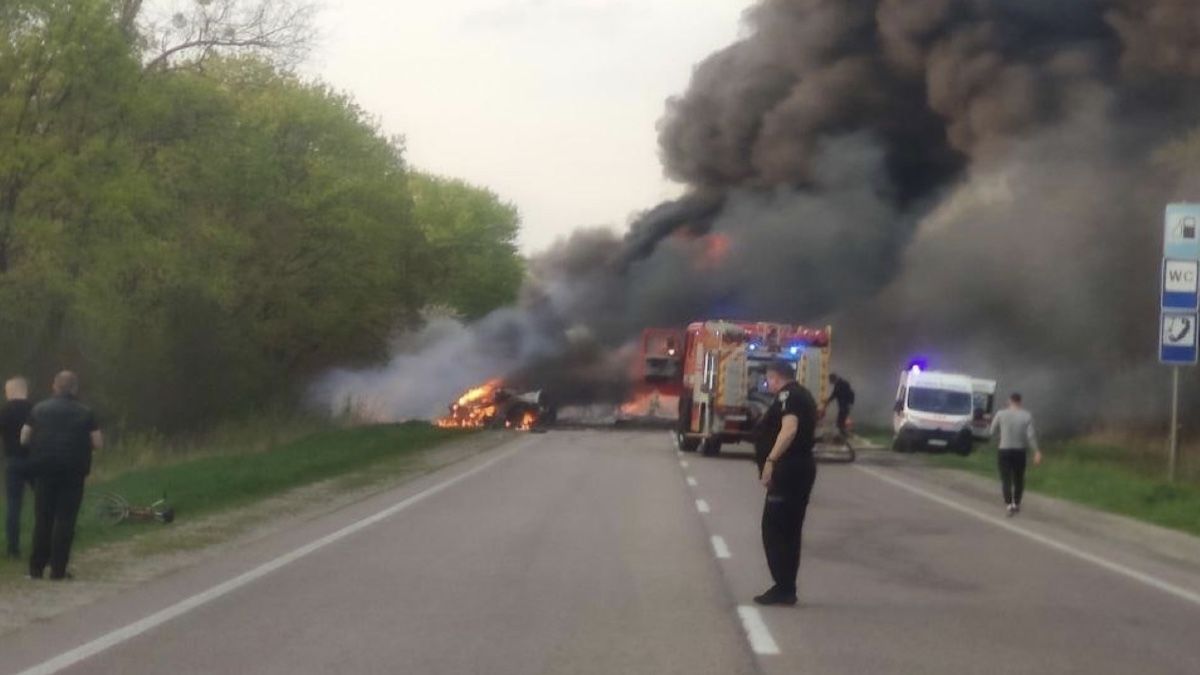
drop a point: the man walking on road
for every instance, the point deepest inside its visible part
(13, 415)
(784, 452)
(1017, 437)
(62, 434)
(843, 394)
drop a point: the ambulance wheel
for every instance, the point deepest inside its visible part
(902, 444)
(711, 447)
(963, 444)
(685, 444)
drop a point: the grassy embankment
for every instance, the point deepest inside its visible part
(1120, 478)
(239, 467)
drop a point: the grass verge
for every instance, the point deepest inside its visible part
(204, 481)
(1107, 477)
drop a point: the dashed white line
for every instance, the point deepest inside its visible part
(116, 637)
(1154, 582)
(683, 463)
(691, 481)
(720, 547)
(702, 506)
(756, 630)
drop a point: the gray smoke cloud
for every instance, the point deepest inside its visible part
(969, 180)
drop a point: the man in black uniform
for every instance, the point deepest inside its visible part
(844, 395)
(61, 433)
(784, 452)
(13, 415)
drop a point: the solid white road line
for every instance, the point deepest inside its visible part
(702, 506)
(1153, 582)
(720, 547)
(760, 638)
(116, 637)
(691, 481)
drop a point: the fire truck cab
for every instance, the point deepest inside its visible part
(724, 377)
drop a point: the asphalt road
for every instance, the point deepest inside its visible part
(607, 552)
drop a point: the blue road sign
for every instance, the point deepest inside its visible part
(1181, 285)
(1177, 338)
(1181, 232)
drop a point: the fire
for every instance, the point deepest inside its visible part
(491, 405)
(474, 409)
(716, 249)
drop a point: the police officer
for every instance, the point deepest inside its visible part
(784, 452)
(61, 433)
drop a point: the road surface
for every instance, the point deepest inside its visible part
(608, 552)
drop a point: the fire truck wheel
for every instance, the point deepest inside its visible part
(686, 444)
(711, 447)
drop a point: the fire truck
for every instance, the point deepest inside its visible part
(657, 379)
(724, 389)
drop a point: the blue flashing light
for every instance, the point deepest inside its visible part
(918, 365)
(794, 350)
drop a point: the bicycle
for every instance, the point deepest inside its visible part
(111, 508)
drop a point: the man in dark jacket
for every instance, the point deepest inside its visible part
(843, 395)
(62, 434)
(13, 415)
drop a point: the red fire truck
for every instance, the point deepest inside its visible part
(724, 377)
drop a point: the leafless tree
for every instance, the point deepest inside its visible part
(190, 31)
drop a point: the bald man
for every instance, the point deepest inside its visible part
(62, 434)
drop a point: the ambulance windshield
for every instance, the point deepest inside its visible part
(939, 401)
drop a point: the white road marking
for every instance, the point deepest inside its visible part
(683, 463)
(720, 547)
(116, 637)
(702, 506)
(1153, 582)
(756, 629)
(691, 481)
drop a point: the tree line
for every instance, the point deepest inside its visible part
(199, 231)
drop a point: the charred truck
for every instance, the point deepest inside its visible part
(724, 391)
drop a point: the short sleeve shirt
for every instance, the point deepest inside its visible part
(793, 399)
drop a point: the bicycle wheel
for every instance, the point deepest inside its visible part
(108, 508)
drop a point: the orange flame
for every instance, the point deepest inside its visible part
(473, 409)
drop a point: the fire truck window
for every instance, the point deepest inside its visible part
(661, 369)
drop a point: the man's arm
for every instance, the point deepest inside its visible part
(995, 424)
(97, 440)
(26, 434)
(787, 433)
(1031, 438)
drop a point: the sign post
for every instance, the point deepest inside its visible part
(1180, 306)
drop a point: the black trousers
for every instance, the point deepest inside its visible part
(1012, 474)
(14, 494)
(843, 415)
(783, 519)
(56, 501)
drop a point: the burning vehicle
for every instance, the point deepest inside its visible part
(657, 379)
(492, 406)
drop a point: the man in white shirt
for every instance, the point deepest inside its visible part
(1017, 437)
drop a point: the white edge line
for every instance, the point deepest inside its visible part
(720, 547)
(683, 463)
(692, 481)
(702, 506)
(1153, 582)
(116, 637)
(756, 630)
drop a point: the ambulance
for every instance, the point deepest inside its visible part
(940, 411)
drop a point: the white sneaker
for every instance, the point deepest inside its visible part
(1012, 510)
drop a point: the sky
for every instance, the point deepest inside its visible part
(552, 104)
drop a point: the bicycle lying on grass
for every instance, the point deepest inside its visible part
(111, 508)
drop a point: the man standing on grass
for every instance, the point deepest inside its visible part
(13, 415)
(62, 434)
(787, 469)
(1017, 437)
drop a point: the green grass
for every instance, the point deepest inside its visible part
(1104, 476)
(206, 479)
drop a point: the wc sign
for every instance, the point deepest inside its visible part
(1181, 285)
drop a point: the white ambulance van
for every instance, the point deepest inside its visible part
(941, 411)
